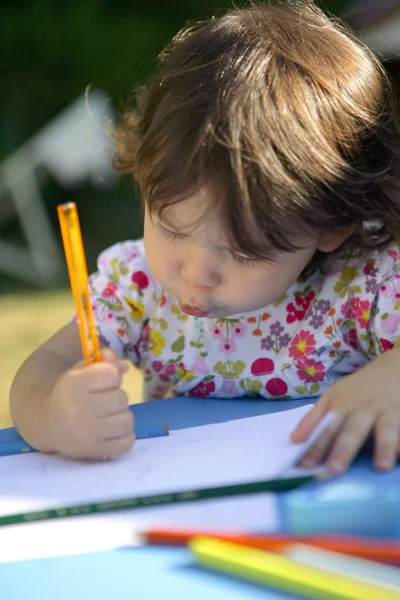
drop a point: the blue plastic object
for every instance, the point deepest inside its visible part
(352, 505)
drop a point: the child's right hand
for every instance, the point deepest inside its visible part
(86, 414)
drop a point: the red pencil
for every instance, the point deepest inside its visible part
(382, 550)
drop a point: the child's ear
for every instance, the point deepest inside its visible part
(331, 241)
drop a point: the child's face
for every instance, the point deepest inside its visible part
(197, 266)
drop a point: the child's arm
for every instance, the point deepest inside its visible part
(365, 402)
(58, 404)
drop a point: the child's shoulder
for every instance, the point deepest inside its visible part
(379, 263)
(125, 263)
(127, 251)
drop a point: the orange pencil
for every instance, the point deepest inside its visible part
(386, 551)
(79, 280)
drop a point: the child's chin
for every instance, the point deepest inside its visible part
(224, 313)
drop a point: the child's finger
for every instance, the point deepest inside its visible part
(349, 441)
(310, 421)
(387, 440)
(105, 404)
(111, 357)
(107, 355)
(318, 451)
(101, 377)
(117, 426)
(116, 447)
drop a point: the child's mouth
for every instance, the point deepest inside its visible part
(193, 310)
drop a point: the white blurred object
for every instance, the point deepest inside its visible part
(73, 148)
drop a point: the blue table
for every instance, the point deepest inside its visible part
(150, 572)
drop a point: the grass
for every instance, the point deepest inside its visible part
(26, 321)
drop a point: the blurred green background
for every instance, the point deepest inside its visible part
(51, 51)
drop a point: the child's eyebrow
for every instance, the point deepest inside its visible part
(164, 221)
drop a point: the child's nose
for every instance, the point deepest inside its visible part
(200, 268)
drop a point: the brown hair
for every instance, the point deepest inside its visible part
(286, 113)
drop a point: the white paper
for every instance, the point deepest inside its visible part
(239, 451)
(64, 537)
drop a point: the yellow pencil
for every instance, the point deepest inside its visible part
(78, 276)
(284, 574)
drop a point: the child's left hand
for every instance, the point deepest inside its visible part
(367, 401)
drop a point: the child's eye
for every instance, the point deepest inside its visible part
(168, 233)
(245, 260)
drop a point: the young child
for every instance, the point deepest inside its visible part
(267, 153)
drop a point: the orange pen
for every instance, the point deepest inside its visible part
(79, 280)
(382, 550)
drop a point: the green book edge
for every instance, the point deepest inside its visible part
(271, 485)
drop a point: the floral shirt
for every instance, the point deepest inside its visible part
(324, 327)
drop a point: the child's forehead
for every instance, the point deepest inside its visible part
(199, 212)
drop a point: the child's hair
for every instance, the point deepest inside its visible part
(289, 116)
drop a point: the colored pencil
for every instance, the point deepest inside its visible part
(153, 431)
(359, 568)
(17, 447)
(173, 497)
(141, 433)
(385, 551)
(282, 573)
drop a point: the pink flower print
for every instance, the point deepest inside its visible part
(216, 331)
(298, 311)
(391, 289)
(238, 330)
(386, 344)
(387, 290)
(276, 387)
(157, 366)
(390, 325)
(393, 254)
(170, 369)
(309, 298)
(200, 365)
(110, 317)
(163, 377)
(310, 370)
(204, 389)
(349, 309)
(141, 279)
(109, 290)
(368, 267)
(228, 347)
(262, 366)
(303, 343)
(363, 313)
(350, 338)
